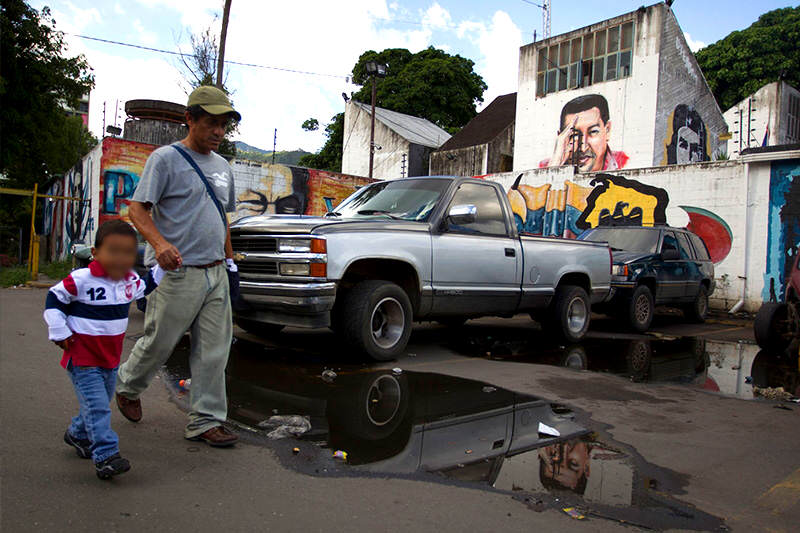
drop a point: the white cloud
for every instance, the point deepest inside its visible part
(694, 46)
(118, 9)
(144, 35)
(436, 17)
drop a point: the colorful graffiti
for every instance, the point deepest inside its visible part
(284, 190)
(714, 231)
(583, 132)
(608, 201)
(783, 227)
(688, 139)
(121, 168)
(69, 222)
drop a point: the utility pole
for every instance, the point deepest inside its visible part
(374, 69)
(226, 12)
(274, 145)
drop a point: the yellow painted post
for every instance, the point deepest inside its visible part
(33, 227)
(35, 272)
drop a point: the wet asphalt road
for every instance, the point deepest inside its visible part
(680, 416)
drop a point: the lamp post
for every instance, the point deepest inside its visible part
(374, 70)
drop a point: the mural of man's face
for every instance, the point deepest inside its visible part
(275, 195)
(688, 149)
(566, 463)
(588, 142)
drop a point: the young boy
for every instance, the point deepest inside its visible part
(87, 314)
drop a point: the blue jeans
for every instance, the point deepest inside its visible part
(94, 387)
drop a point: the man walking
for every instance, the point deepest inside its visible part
(174, 209)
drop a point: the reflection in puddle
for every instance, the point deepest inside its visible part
(461, 430)
(731, 368)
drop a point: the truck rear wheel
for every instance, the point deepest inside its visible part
(572, 313)
(377, 319)
(697, 311)
(640, 309)
(771, 327)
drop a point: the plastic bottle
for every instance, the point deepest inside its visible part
(185, 384)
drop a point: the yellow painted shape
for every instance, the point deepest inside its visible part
(781, 496)
(614, 194)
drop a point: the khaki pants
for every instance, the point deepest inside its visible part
(195, 299)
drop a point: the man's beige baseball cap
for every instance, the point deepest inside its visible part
(212, 100)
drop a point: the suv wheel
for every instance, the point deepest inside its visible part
(377, 319)
(640, 309)
(571, 313)
(697, 311)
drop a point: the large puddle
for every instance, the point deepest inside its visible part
(450, 430)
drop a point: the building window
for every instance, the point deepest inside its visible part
(793, 120)
(604, 55)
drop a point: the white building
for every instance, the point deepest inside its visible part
(631, 91)
(403, 143)
(773, 115)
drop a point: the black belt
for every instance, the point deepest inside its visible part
(209, 265)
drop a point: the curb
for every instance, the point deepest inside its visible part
(40, 284)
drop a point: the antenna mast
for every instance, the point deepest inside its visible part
(546, 18)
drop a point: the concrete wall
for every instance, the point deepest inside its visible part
(388, 160)
(152, 131)
(768, 111)
(467, 161)
(687, 113)
(736, 207)
(502, 145)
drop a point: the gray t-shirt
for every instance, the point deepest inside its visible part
(182, 210)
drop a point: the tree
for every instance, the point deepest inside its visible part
(37, 81)
(431, 84)
(746, 60)
(200, 68)
(310, 124)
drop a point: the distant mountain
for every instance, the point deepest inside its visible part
(253, 153)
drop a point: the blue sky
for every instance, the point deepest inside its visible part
(327, 37)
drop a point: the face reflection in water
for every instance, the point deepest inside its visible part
(565, 465)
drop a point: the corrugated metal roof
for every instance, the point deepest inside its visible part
(414, 129)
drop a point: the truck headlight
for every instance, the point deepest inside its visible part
(295, 269)
(317, 246)
(619, 270)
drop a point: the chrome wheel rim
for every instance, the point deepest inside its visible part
(387, 323)
(639, 357)
(383, 400)
(642, 309)
(577, 314)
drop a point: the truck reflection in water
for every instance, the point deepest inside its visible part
(412, 423)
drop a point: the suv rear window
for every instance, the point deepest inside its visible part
(621, 238)
(699, 247)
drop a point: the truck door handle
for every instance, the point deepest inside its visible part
(510, 252)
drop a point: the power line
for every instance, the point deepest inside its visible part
(175, 53)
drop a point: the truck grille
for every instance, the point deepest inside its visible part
(259, 268)
(245, 243)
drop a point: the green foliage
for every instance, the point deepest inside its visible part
(57, 270)
(310, 124)
(10, 276)
(431, 84)
(746, 60)
(36, 82)
(330, 156)
(288, 157)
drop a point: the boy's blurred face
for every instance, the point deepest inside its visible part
(117, 255)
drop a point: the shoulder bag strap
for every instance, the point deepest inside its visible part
(209, 189)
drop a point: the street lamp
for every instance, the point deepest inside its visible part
(374, 70)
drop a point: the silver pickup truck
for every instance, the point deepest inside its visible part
(435, 248)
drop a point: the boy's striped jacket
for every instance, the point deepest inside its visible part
(93, 309)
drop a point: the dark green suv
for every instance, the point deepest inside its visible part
(656, 266)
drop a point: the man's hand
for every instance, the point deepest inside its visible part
(64, 344)
(168, 256)
(562, 150)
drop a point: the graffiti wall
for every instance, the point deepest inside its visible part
(69, 222)
(783, 227)
(263, 188)
(121, 169)
(566, 208)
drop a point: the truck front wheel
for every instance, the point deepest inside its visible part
(572, 312)
(640, 309)
(377, 319)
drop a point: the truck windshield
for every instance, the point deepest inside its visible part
(627, 239)
(409, 199)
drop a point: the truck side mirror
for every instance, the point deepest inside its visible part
(670, 254)
(461, 215)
